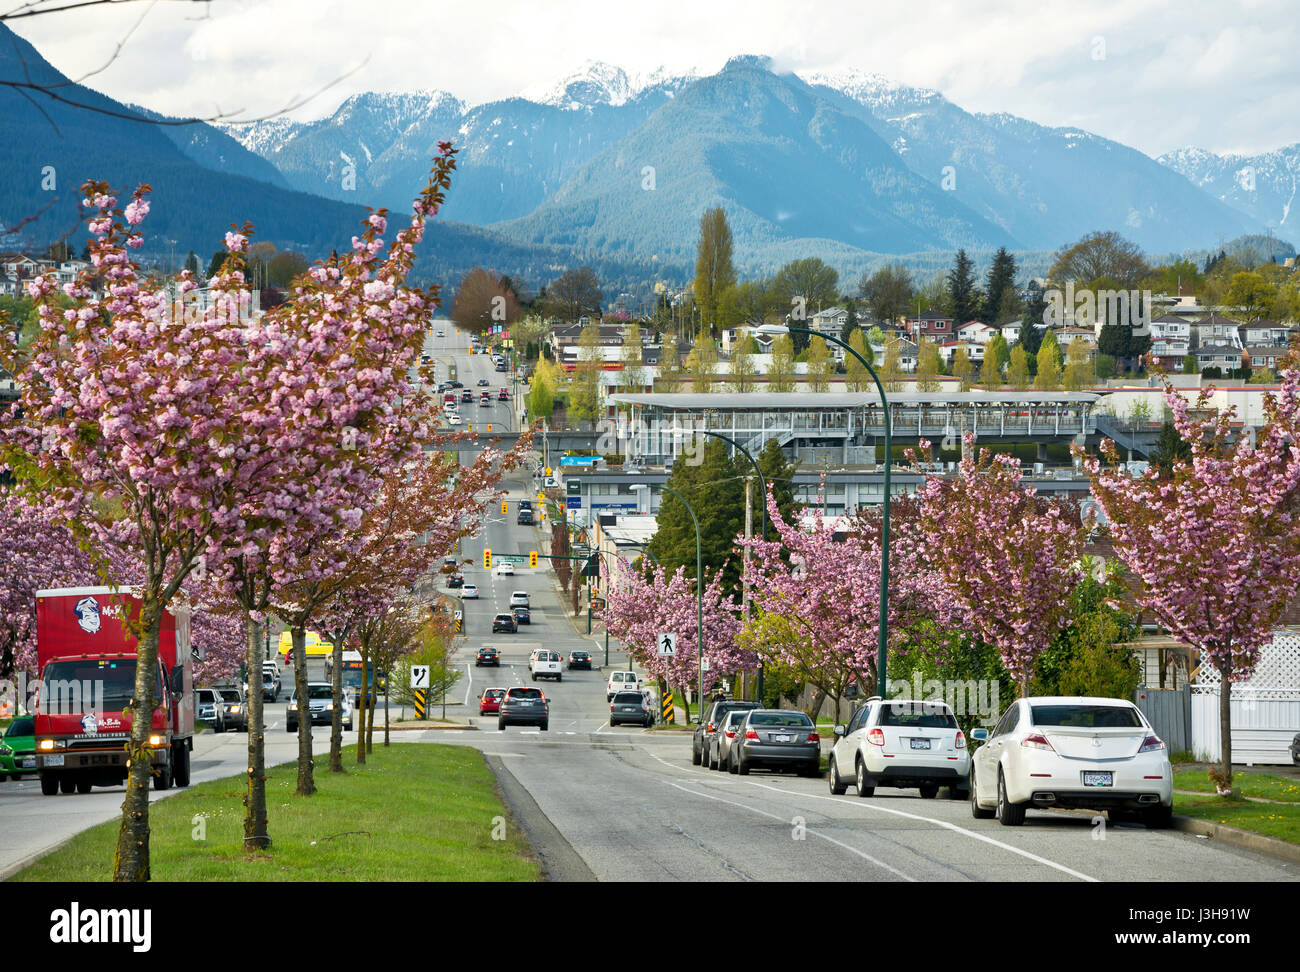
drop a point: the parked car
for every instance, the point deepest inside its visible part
(551, 483)
(1084, 753)
(778, 739)
(619, 681)
(209, 707)
(320, 706)
(505, 623)
(469, 592)
(900, 743)
(524, 705)
(18, 749)
(505, 569)
(630, 707)
(521, 615)
(519, 599)
(702, 738)
(271, 684)
(718, 756)
(1295, 749)
(235, 709)
(487, 655)
(544, 663)
(580, 659)
(490, 701)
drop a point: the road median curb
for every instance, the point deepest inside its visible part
(559, 860)
(1237, 837)
(423, 726)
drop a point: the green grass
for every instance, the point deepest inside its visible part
(414, 812)
(1250, 783)
(1269, 819)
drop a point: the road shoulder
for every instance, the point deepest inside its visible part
(560, 861)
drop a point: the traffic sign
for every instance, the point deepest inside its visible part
(419, 676)
(667, 643)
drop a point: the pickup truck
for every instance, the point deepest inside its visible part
(546, 664)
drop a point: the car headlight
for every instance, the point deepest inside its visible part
(46, 745)
(5, 750)
(155, 740)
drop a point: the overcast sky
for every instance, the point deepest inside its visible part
(1218, 74)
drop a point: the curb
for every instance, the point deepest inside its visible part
(411, 727)
(30, 859)
(560, 862)
(1238, 838)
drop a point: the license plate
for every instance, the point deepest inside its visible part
(783, 739)
(53, 760)
(920, 744)
(1098, 779)
(29, 762)
(526, 702)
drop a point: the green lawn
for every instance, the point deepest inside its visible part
(1250, 783)
(1269, 819)
(414, 812)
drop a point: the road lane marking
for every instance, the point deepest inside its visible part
(940, 823)
(807, 830)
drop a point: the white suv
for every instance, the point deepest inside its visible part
(544, 663)
(901, 743)
(519, 599)
(622, 682)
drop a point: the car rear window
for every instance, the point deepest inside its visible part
(1086, 716)
(917, 715)
(734, 716)
(494, 693)
(627, 698)
(525, 693)
(780, 719)
(230, 695)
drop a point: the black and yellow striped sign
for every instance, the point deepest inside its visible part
(668, 706)
(419, 703)
(460, 624)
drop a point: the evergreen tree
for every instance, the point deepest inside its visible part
(192, 264)
(1031, 337)
(716, 492)
(1001, 276)
(963, 297)
(1170, 447)
(1189, 365)
(714, 273)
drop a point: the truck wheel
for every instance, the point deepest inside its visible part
(83, 786)
(559, 677)
(181, 760)
(163, 781)
(49, 784)
(67, 784)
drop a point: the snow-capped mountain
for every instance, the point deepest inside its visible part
(598, 83)
(1262, 186)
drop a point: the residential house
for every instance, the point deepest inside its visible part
(1262, 331)
(1214, 329)
(1224, 356)
(830, 321)
(1260, 356)
(974, 351)
(8, 286)
(932, 325)
(1171, 338)
(976, 332)
(19, 266)
(1010, 331)
(70, 269)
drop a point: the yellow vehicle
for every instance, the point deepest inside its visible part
(314, 645)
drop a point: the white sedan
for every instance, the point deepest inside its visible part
(1087, 753)
(454, 419)
(469, 592)
(505, 567)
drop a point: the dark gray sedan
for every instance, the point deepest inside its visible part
(778, 739)
(630, 707)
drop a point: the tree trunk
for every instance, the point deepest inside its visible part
(386, 715)
(306, 780)
(255, 831)
(819, 699)
(131, 862)
(336, 716)
(1225, 730)
(370, 728)
(362, 714)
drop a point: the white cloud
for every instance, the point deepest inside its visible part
(1221, 76)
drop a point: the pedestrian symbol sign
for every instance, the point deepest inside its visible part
(667, 643)
(419, 676)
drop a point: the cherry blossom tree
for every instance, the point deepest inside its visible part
(638, 608)
(1214, 545)
(1007, 558)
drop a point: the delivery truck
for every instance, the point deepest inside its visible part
(87, 658)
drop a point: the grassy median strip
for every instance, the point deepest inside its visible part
(414, 812)
(1270, 819)
(1250, 783)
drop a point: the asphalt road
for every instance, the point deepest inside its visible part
(451, 351)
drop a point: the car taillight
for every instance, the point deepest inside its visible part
(876, 736)
(751, 734)
(1037, 741)
(712, 728)
(611, 708)
(731, 733)
(1151, 744)
(960, 741)
(813, 737)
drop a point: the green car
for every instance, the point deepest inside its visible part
(18, 749)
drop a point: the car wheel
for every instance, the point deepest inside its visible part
(837, 788)
(181, 760)
(49, 784)
(501, 726)
(163, 780)
(1158, 818)
(67, 784)
(612, 723)
(83, 786)
(696, 757)
(929, 791)
(976, 811)
(650, 722)
(865, 789)
(731, 762)
(545, 726)
(712, 761)
(289, 726)
(742, 767)
(1009, 814)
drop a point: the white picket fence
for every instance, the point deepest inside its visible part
(1265, 708)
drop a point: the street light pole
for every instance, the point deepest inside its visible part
(881, 649)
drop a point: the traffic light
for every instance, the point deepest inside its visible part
(532, 558)
(503, 506)
(487, 558)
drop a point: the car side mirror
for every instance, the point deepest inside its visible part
(177, 680)
(979, 735)
(838, 730)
